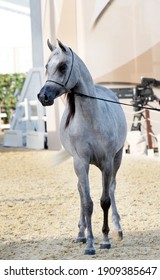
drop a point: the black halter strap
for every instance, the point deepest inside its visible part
(65, 85)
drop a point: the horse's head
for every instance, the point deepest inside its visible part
(59, 70)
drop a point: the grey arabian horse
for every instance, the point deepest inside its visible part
(92, 131)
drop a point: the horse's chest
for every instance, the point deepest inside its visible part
(90, 142)
(87, 138)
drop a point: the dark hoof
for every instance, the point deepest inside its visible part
(105, 246)
(118, 235)
(81, 239)
(90, 252)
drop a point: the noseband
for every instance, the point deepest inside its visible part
(65, 85)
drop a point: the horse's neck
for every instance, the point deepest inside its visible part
(85, 84)
(84, 107)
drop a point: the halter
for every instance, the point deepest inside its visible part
(65, 85)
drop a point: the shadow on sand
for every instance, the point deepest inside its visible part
(135, 245)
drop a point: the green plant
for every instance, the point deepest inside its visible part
(9, 83)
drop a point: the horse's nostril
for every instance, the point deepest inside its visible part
(46, 97)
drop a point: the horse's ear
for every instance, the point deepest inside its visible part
(50, 46)
(61, 46)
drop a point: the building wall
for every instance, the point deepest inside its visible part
(118, 39)
(15, 30)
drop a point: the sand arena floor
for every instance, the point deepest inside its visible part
(39, 208)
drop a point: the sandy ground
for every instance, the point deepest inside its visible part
(39, 208)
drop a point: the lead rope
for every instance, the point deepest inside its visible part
(98, 98)
(120, 103)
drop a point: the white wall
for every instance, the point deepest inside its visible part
(15, 30)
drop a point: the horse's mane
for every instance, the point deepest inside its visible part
(71, 104)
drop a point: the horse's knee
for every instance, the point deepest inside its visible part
(105, 203)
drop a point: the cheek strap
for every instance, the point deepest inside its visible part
(65, 85)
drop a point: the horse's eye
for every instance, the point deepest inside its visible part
(63, 68)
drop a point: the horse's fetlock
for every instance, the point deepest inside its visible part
(105, 203)
(105, 230)
(116, 217)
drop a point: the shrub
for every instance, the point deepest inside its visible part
(9, 83)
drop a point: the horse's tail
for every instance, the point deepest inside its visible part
(60, 156)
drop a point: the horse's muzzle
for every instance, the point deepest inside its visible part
(46, 96)
(45, 100)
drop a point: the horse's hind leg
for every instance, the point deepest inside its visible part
(118, 234)
(81, 169)
(105, 204)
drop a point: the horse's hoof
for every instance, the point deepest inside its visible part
(105, 246)
(81, 239)
(90, 252)
(118, 235)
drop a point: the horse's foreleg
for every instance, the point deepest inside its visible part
(82, 222)
(81, 170)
